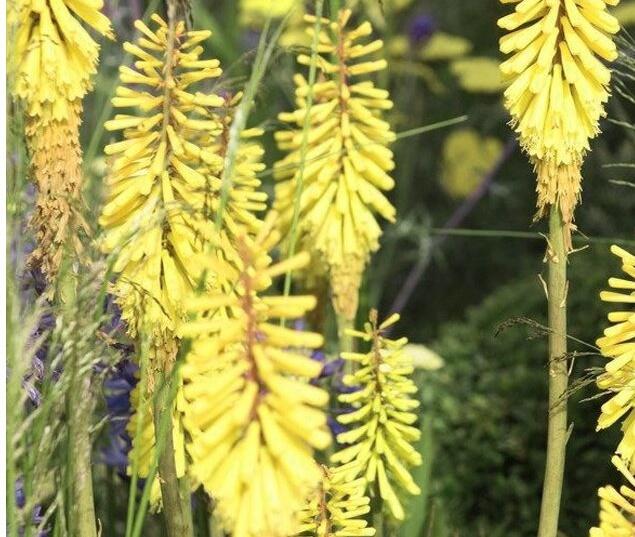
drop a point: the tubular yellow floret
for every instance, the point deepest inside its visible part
(337, 507)
(617, 508)
(557, 88)
(618, 345)
(383, 413)
(51, 69)
(252, 416)
(164, 192)
(347, 160)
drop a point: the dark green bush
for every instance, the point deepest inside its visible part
(489, 405)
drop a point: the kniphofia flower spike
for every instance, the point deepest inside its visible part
(383, 413)
(558, 87)
(347, 160)
(252, 414)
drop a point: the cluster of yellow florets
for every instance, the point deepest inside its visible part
(345, 155)
(337, 507)
(383, 413)
(557, 87)
(617, 509)
(164, 192)
(618, 345)
(252, 416)
(51, 68)
(164, 182)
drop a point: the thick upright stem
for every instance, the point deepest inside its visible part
(346, 342)
(558, 376)
(79, 407)
(175, 492)
(177, 509)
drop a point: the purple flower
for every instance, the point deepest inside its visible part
(118, 388)
(330, 368)
(421, 28)
(36, 517)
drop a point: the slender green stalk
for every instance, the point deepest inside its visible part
(79, 407)
(175, 492)
(261, 62)
(335, 7)
(162, 425)
(558, 377)
(139, 416)
(346, 342)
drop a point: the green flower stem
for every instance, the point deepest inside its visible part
(79, 407)
(335, 8)
(346, 342)
(558, 377)
(175, 492)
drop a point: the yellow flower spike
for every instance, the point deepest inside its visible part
(618, 345)
(347, 161)
(381, 432)
(337, 507)
(51, 68)
(252, 417)
(557, 87)
(617, 508)
(164, 182)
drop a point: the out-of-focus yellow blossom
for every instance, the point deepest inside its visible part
(347, 159)
(50, 67)
(625, 13)
(444, 46)
(557, 88)
(467, 156)
(256, 12)
(439, 47)
(383, 413)
(617, 508)
(337, 507)
(618, 345)
(252, 415)
(478, 74)
(424, 357)
(164, 191)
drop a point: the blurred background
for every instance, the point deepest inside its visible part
(463, 261)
